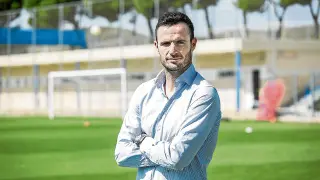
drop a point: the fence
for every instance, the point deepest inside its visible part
(120, 22)
(302, 94)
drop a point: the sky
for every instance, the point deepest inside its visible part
(224, 16)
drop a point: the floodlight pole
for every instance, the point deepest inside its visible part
(238, 79)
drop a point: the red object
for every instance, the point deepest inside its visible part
(270, 99)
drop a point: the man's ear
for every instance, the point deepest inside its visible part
(194, 43)
(155, 43)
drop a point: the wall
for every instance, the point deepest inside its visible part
(94, 103)
(299, 61)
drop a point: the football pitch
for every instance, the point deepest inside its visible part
(35, 148)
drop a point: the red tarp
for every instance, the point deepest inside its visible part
(270, 98)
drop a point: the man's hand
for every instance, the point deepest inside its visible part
(146, 144)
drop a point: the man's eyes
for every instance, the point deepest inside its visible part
(169, 43)
(165, 44)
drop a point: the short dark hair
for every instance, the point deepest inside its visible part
(173, 18)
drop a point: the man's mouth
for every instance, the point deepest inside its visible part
(173, 59)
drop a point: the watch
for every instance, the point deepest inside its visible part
(140, 138)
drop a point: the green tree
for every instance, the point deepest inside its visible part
(175, 5)
(47, 17)
(149, 10)
(6, 5)
(280, 8)
(146, 8)
(108, 9)
(248, 6)
(315, 12)
(30, 3)
(10, 4)
(203, 4)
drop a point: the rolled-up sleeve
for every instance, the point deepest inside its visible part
(202, 117)
(127, 153)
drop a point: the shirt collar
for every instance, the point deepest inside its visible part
(185, 77)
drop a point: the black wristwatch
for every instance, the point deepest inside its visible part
(140, 138)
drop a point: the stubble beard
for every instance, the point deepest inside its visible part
(180, 67)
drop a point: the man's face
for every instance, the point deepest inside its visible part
(174, 46)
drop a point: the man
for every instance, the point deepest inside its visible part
(171, 127)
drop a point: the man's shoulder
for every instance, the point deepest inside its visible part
(201, 82)
(203, 86)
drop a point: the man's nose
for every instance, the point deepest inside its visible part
(173, 48)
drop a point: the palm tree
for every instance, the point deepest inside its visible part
(248, 6)
(282, 4)
(315, 12)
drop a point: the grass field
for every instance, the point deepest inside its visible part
(63, 149)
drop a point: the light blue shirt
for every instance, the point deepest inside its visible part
(185, 128)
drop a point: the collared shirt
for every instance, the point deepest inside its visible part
(184, 126)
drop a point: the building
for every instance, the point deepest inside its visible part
(25, 92)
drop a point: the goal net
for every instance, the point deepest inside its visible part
(98, 92)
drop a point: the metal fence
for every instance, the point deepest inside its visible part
(302, 95)
(120, 22)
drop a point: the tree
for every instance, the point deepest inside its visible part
(201, 4)
(283, 5)
(248, 6)
(10, 4)
(177, 4)
(146, 8)
(109, 9)
(204, 4)
(6, 5)
(47, 17)
(315, 12)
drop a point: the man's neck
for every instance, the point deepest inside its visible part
(171, 77)
(170, 82)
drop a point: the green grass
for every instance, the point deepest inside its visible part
(40, 149)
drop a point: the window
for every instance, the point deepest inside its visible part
(226, 73)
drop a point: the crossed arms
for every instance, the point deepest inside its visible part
(202, 115)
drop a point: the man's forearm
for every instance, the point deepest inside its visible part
(155, 151)
(128, 154)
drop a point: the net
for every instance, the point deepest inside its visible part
(99, 92)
